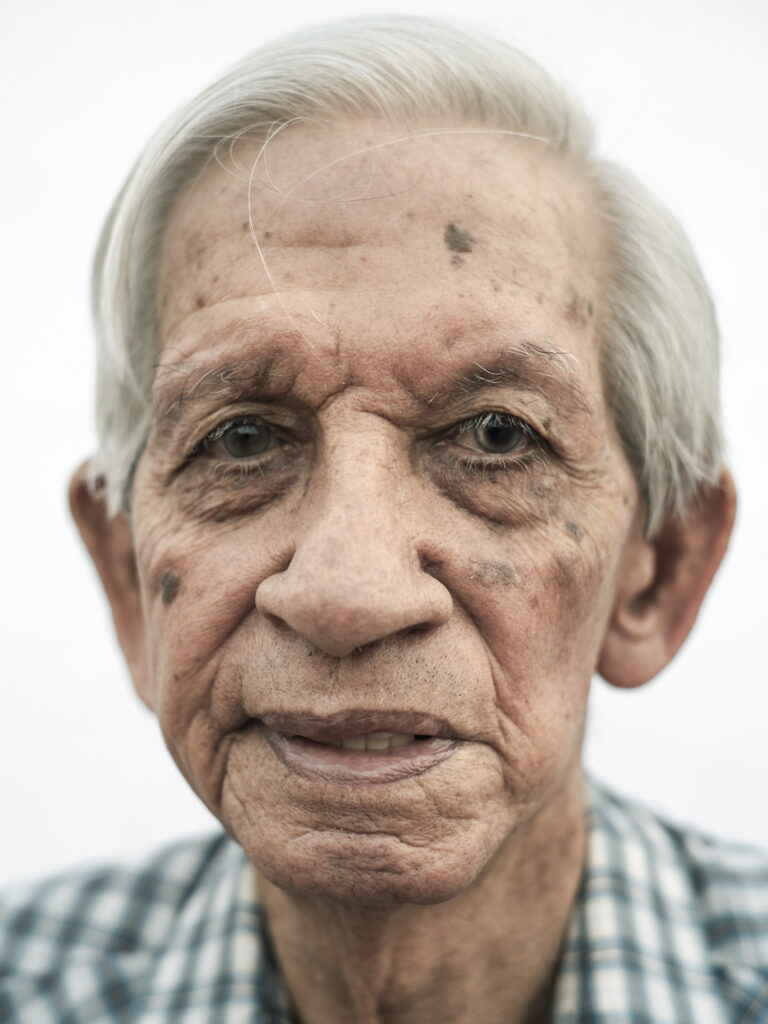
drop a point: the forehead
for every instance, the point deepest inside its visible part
(358, 242)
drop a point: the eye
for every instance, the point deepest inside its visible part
(241, 439)
(496, 433)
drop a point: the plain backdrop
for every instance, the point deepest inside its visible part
(678, 92)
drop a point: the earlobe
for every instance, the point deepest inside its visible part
(110, 544)
(661, 585)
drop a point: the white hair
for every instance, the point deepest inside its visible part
(660, 347)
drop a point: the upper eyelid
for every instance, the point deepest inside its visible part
(484, 417)
(481, 419)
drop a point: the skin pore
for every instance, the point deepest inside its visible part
(382, 485)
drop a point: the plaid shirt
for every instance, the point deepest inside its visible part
(669, 927)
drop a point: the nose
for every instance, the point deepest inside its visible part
(356, 575)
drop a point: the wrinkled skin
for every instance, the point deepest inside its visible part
(382, 480)
(373, 556)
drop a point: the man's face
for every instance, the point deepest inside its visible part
(382, 494)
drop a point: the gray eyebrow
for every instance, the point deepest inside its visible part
(198, 383)
(544, 369)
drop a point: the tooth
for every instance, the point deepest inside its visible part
(354, 743)
(378, 741)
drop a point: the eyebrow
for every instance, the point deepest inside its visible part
(543, 369)
(192, 381)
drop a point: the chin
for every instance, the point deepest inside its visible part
(366, 871)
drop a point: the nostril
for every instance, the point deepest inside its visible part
(417, 629)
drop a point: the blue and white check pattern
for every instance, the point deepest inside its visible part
(669, 928)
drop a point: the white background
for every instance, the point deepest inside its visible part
(678, 92)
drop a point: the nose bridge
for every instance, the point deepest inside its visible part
(364, 502)
(356, 576)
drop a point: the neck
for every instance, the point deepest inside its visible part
(490, 953)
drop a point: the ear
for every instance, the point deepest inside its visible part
(110, 544)
(661, 585)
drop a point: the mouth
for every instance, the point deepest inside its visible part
(359, 747)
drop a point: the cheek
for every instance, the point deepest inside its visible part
(196, 594)
(537, 590)
(541, 612)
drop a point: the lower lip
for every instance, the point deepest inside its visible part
(322, 762)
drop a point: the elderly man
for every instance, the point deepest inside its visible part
(408, 421)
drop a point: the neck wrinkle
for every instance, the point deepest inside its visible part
(456, 962)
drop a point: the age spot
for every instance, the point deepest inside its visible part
(458, 239)
(492, 574)
(574, 529)
(169, 586)
(578, 310)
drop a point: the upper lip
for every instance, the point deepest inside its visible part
(356, 722)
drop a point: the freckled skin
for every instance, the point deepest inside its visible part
(367, 559)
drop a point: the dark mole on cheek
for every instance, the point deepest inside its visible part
(199, 301)
(169, 586)
(458, 239)
(574, 529)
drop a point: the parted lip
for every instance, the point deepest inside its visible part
(356, 722)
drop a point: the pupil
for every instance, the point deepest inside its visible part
(498, 436)
(245, 439)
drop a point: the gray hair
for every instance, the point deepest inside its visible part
(660, 348)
